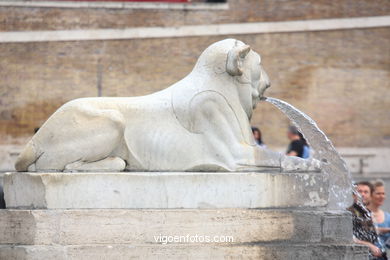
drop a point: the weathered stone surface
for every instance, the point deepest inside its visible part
(336, 227)
(139, 227)
(32, 252)
(124, 234)
(252, 251)
(165, 190)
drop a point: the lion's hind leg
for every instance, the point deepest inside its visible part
(114, 164)
(88, 140)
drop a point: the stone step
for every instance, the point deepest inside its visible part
(188, 251)
(145, 227)
(165, 190)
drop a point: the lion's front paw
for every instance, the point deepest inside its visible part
(296, 164)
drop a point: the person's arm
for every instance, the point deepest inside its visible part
(375, 251)
(383, 230)
(292, 153)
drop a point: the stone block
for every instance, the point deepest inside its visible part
(252, 251)
(143, 227)
(165, 190)
(337, 227)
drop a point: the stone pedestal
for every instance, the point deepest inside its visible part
(123, 215)
(164, 190)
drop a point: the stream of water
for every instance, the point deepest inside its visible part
(340, 181)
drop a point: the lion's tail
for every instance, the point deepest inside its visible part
(26, 158)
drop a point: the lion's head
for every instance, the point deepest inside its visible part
(236, 60)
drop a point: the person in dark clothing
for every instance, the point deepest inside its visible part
(306, 147)
(364, 231)
(296, 147)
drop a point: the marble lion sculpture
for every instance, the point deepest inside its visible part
(200, 123)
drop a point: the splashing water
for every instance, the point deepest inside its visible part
(334, 166)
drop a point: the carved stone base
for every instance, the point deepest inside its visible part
(129, 214)
(131, 233)
(179, 252)
(138, 227)
(165, 190)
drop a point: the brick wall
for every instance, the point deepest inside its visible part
(22, 19)
(340, 78)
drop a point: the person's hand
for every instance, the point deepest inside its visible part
(375, 251)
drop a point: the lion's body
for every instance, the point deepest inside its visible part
(200, 123)
(143, 131)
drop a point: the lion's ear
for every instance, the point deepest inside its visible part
(234, 60)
